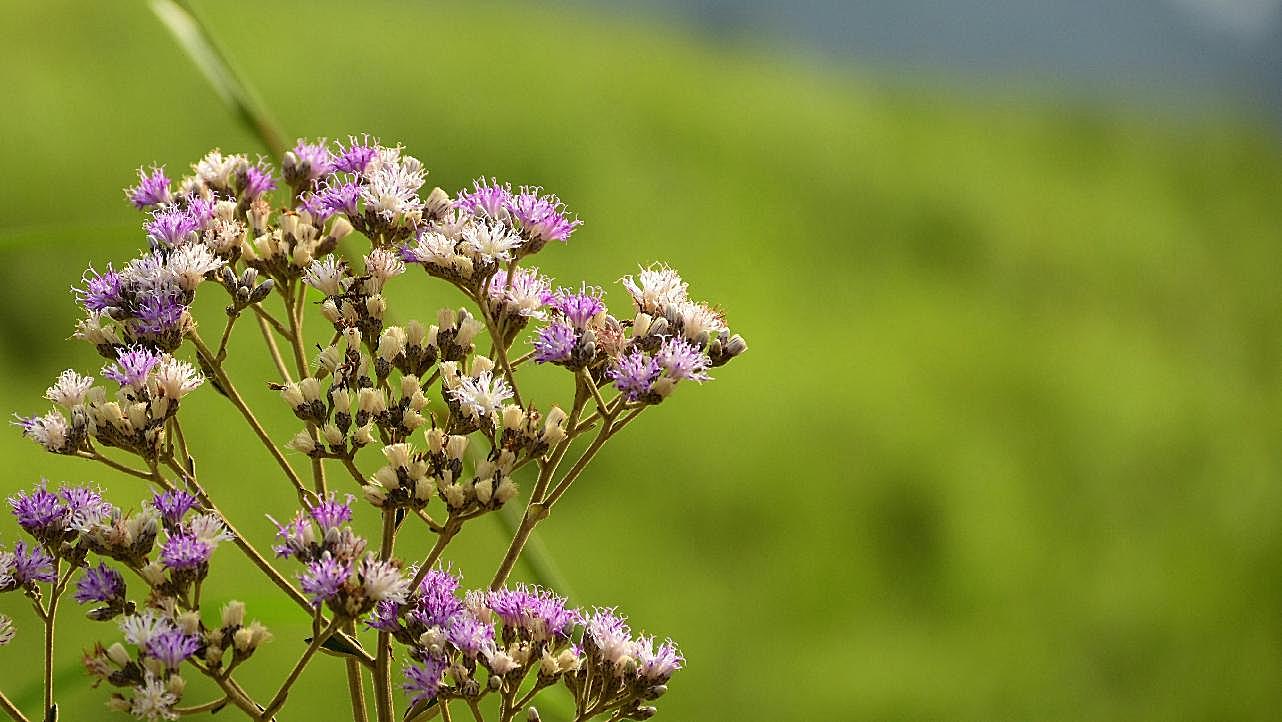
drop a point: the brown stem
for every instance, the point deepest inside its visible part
(355, 683)
(11, 709)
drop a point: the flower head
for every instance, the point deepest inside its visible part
(656, 665)
(682, 360)
(356, 156)
(542, 217)
(50, 431)
(258, 180)
(383, 580)
(554, 343)
(482, 395)
(70, 389)
(41, 513)
(609, 636)
(172, 226)
(423, 679)
(152, 189)
(183, 550)
(524, 295)
(153, 701)
(133, 366)
(655, 288)
(330, 514)
(32, 564)
(580, 308)
(172, 646)
(537, 612)
(173, 505)
(489, 200)
(138, 629)
(100, 584)
(324, 577)
(101, 290)
(308, 162)
(634, 374)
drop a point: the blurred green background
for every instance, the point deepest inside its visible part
(1005, 442)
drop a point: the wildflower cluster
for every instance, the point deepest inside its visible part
(424, 420)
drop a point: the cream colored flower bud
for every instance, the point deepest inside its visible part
(391, 343)
(468, 330)
(243, 639)
(505, 491)
(454, 495)
(154, 573)
(329, 309)
(375, 494)
(302, 442)
(376, 306)
(480, 365)
(387, 477)
(363, 435)
(310, 389)
(176, 684)
(189, 622)
(371, 400)
(340, 228)
(329, 358)
(425, 488)
(463, 266)
(332, 435)
(513, 417)
(233, 614)
(446, 318)
(292, 395)
(455, 446)
(398, 455)
(484, 489)
(342, 399)
(117, 654)
(415, 333)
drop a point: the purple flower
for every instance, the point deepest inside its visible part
(171, 226)
(554, 343)
(200, 209)
(152, 190)
(172, 646)
(32, 564)
(656, 666)
(173, 505)
(634, 374)
(385, 617)
(542, 217)
(423, 681)
(608, 635)
(357, 156)
(296, 534)
(100, 584)
(339, 198)
(329, 514)
(682, 360)
(312, 160)
(578, 308)
(469, 635)
(101, 291)
(435, 603)
(258, 181)
(323, 578)
(526, 293)
(491, 200)
(159, 312)
(41, 513)
(132, 367)
(85, 506)
(538, 612)
(184, 551)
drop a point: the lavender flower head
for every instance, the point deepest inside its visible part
(85, 507)
(258, 180)
(634, 374)
(40, 513)
(682, 360)
(32, 564)
(152, 189)
(356, 156)
(542, 217)
(469, 635)
(132, 367)
(324, 578)
(172, 647)
(656, 666)
(423, 680)
(436, 601)
(101, 291)
(173, 505)
(307, 162)
(330, 514)
(537, 612)
(172, 226)
(100, 584)
(489, 200)
(607, 636)
(579, 308)
(524, 296)
(160, 312)
(183, 550)
(554, 343)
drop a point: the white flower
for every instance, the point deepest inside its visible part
(153, 700)
(434, 248)
(481, 395)
(392, 183)
(382, 264)
(654, 288)
(175, 379)
(697, 319)
(6, 630)
(490, 241)
(188, 265)
(140, 628)
(50, 430)
(70, 389)
(149, 273)
(326, 275)
(383, 580)
(210, 529)
(224, 235)
(217, 170)
(97, 329)
(6, 570)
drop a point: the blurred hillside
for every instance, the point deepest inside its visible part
(1004, 445)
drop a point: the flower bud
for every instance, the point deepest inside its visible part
(233, 614)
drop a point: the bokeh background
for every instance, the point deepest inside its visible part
(1005, 445)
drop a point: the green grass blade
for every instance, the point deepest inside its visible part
(195, 40)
